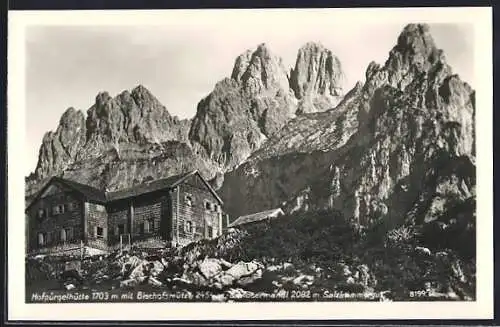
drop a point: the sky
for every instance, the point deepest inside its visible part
(180, 61)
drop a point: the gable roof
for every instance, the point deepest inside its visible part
(96, 195)
(89, 192)
(148, 187)
(256, 217)
(159, 184)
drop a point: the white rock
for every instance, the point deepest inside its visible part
(210, 267)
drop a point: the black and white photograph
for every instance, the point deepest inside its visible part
(307, 157)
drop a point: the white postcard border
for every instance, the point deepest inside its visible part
(481, 18)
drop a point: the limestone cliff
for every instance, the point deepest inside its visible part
(244, 110)
(231, 123)
(132, 130)
(316, 79)
(398, 148)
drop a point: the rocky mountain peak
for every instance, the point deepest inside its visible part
(244, 110)
(260, 70)
(398, 148)
(134, 116)
(60, 148)
(416, 38)
(102, 98)
(414, 56)
(317, 78)
(144, 98)
(70, 116)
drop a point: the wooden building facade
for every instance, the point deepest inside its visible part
(176, 210)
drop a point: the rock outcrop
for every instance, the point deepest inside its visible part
(316, 79)
(124, 140)
(398, 148)
(131, 117)
(121, 134)
(244, 110)
(59, 148)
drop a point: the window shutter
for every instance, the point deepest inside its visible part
(40, 239)
(69, 234)
(95, 231)
(63, 235)
(105, 232)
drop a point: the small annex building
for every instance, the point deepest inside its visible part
(257, 217)
(175, 210)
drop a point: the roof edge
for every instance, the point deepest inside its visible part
(106, 197)
(207, 184)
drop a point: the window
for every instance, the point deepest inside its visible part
(63, 235)
(58, 209)
(41, 239)
(144, 227)
(188, 226)
(188, 199)
(121, 229)
(71, 206)
(208, 205)
(100, 232)
(69, 234)
(42, 213)
(48, 238)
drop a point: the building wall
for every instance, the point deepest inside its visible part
(118, 214)
(52, 224)
(144, 217)
(97, 221)
(148, 214)
(195, 221)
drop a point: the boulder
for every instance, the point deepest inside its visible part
(195, 278)
(247, 280)
(242, 269)
(141, 270)
(225, 264)
(224, 280)
(157, 268)
(210, 267)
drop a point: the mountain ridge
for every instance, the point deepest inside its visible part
(415, 96)
(407, 128)
(113, 124)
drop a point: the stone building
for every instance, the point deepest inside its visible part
(174, 210)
